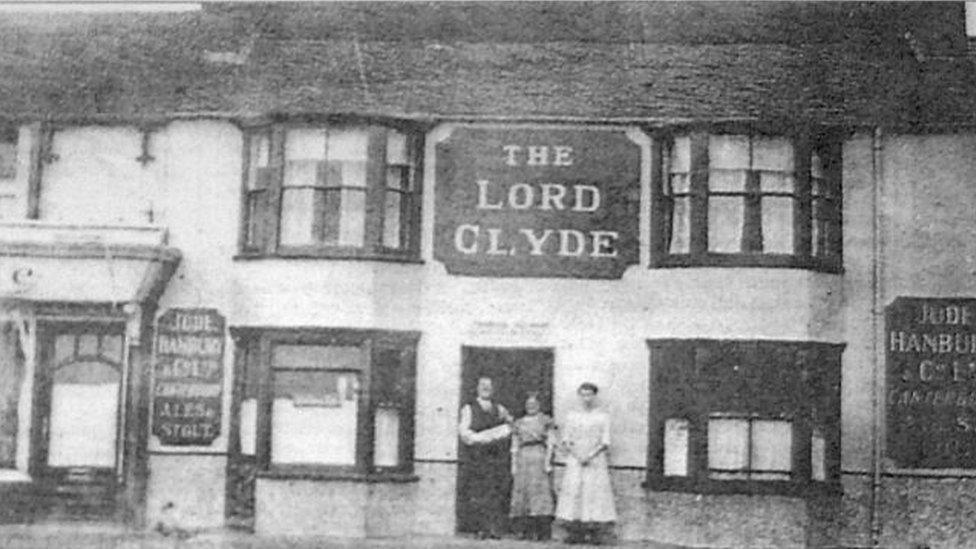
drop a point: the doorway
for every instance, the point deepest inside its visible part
(76, 435)
(514, 373)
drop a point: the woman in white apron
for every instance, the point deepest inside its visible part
(585, 505)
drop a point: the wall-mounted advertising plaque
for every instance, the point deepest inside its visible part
(931, 382)
(188, 377)
(537, 202)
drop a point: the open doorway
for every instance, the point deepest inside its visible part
(514, 372)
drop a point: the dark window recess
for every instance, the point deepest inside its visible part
(333, 191)
(747, 199)
(744, 416)
(322, 403)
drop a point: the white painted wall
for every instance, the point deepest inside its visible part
(598, 328)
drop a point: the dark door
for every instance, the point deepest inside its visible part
(514, 374)
(77, 423)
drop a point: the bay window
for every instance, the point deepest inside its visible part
(744, 416)
(338, 191)
(329, 401)
(747, 199)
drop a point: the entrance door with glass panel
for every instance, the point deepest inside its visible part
(77, 425)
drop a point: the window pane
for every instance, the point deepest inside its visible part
(676, 447)
(776, 182)
(11, 378)
(297, 216)
(64, 348)
(8, 158)
(317, 357)
(352, 221)
(398, 177)
(777, 224)
(727, 180)
(260, 150)
(304, 144)
(396, 148)
(348, 145)
(314, 417)
(816, 165)
(112, 348)
(88, 345)
(302, 173)
(353, 174)
(820, 227)
(772, 445)
(391, 220)
(681, 226)
(87, 439)
(680, 183)
(818, 456)
(774, 154)
(255, 203)
(728, 152)
(728, 444)
(680, 157)
(725, 218)
(259, 159)
(248, 426)
(9, 206)
(386, 435)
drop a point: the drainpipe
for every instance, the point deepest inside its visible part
(877, 402)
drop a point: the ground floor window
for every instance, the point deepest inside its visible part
(326, 401)
(744, 416)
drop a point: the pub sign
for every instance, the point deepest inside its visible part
(931, 382)
(188, 377)
(537, 202)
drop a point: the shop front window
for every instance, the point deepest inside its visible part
(744, 416)
(336, 191)
(329, 401)
(729, 199)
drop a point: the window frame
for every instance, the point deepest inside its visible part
(268, 241)
(828, 142)
(805, 378)
(254, 349)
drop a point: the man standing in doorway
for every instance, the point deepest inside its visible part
(484, 475)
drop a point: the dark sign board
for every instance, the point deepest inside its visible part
(537, 202)
(931, 382)
(188, 377)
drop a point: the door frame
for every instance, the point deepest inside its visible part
(46, 478)
(468, 381)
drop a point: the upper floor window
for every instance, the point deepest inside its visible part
(12, 187)
(726, 199)
(343, 191)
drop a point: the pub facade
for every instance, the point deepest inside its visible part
(252, 284)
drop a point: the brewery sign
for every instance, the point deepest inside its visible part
(537, 202)
(188, 377)
(931, 382)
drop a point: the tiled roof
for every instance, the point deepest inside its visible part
(224, 63)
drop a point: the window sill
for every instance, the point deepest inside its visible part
(334, 474)
(337, 254)
(769, 261)
(810, 489)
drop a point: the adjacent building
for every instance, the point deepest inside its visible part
(253, 259)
